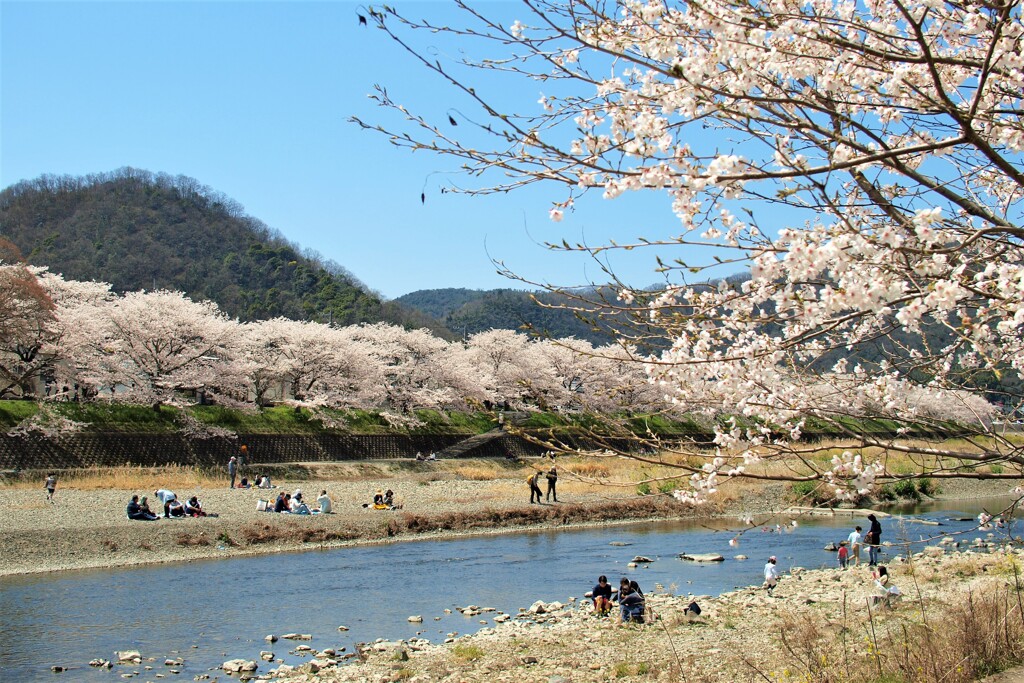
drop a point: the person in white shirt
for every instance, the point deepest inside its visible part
(298, 507)
(856, 540)
(165, 497)
(325, 503)
(771, 575)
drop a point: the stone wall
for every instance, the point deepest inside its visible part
(150, 450)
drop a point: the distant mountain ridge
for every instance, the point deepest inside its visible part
(468, 311)
(139, 230)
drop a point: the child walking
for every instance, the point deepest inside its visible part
(50, 486)
(844, 554)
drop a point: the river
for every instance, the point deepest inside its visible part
(206, 612)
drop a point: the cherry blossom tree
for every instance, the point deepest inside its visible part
(412, 369)
(860, 161)
(145, 346)
(26, 325)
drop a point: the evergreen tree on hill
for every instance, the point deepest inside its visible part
(139, 230)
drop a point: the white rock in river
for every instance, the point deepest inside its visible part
(271, 638)
(740, 557)
(343, 628)
(537, 608)
(417, 619)
(235, 666)
(297, 636)
(129, 656)
(631, 565)
(641, 558)
(266, 655)
(702, 557)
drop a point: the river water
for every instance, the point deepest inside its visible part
(209, 611)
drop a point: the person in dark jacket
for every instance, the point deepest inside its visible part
(873, 540)
(135, 511)
(535, 491)
(602, 596)
(631, 602)
(552, 477)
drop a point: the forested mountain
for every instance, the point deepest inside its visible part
(138, 230)
(467, 311)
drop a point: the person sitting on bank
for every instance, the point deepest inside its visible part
(297, 506)
(144, 506)
(602, 596)
(631, 602)
(378, 500)
(244, 484)
(175, 509)
(135, 511)
(325, 503)
(389, 500)
(283, 502)
(885, 592)
(193, 508)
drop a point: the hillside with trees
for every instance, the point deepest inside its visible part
(143, 231)
(468, 311)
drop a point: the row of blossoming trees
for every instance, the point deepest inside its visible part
(146, 347)
(862, 159)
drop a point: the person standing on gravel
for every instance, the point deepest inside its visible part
(50, 486)
(855, 539)
(771, 576)
(165, 496)
(873, 540)
(232, 470)
(535, 491)
(552, 477)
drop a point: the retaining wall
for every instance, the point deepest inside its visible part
(152, 450)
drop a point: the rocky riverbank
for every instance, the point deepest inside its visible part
(818, 621)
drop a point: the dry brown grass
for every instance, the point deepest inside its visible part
(129, 478)
(980, 634)
(478, 472)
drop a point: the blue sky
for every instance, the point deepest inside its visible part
(252, 100)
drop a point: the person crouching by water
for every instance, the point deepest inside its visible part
(631, 602)
(135, 511)
(602, 596)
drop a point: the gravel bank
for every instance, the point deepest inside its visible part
(89, 529)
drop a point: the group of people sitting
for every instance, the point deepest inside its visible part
(293, 503)
(383, 500)
(632, 604)
(139, 509)
(261, 481)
